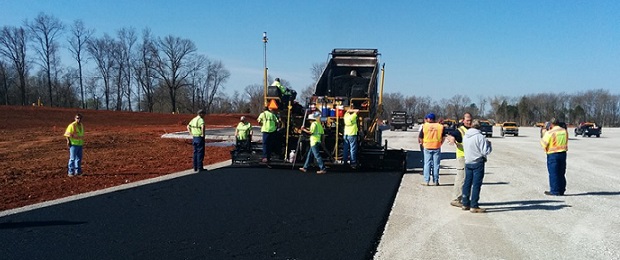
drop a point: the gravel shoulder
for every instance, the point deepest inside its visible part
(521, 222)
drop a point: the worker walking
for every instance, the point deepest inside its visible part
(350, 137)
(196, 128)
(269, 124)
(477, 147)
(75, 141)
(431, 138)
(243, 134)
(555, 144)
(456, 138)
(316, 134)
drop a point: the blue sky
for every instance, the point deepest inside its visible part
(430, 48)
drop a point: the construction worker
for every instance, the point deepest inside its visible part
(350, 137)
(431, 137)
(269, 124)
(316, 134)
(243, 134)
(196, 128)
(456, 138)
(75, 140)
(282, 88)
(285, 93)
(555, 144)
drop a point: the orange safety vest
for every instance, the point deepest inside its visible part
(432, 135)
(555, 140)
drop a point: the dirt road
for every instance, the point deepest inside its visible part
(521, 222)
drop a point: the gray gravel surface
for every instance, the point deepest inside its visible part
(521, 222)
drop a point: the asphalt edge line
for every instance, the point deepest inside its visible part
(110, 189)
(381, 231)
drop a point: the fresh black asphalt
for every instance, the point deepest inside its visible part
(227, 213)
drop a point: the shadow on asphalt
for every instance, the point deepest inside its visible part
(523, 205)
(415, 158)
(597, 193)
(495, 183)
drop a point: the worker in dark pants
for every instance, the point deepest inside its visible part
(269, 124)
(196, 128)
(555, 144)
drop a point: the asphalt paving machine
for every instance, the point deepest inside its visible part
(350, 80)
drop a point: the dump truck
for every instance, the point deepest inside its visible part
(399, 120)
(350, 80)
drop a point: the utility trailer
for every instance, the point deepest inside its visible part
(350, 80)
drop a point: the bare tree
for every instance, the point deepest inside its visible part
(482, 102)
(173, 66)
(254, 93)
(126, 40)
(101, 50)
(77, 44)
(525, 111)
(198, 80)
(392, 102)
(144, 68)
(216, 76)
(67, 89)
(4, 81)
(44, 30)
(117, 72)
(316, 70)
(306, 94)
(456, 106)
(13, 47)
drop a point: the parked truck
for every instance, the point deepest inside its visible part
(350, 80)
(399, 120)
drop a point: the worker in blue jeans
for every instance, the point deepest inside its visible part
(349, 151)
(477, 148)
(196, 128)
(316, 133)
(555, 144)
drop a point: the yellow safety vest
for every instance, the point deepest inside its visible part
(195, 126)
(555, 140)
(75, 133)
(317, 131)
(432, 135)
(460, 152)
(269, 121)
(244, 130)
(282, 89)
(350, 124)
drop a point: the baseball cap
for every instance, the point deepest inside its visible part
(430, 116)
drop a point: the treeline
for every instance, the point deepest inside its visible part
(592, 105)
(144, 72)
(128, 72)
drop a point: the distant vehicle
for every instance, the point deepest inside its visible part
(510, 128)
(588, 129)
(449, 125)
(486, 128)
(399, 121)
(410, 121)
